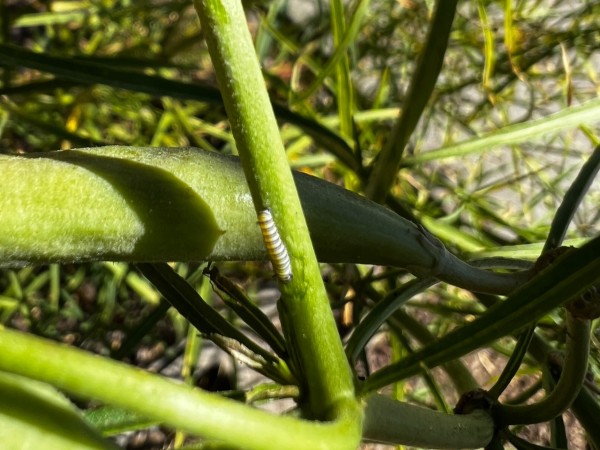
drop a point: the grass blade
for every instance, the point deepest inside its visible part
(341, 48)
(345, 89)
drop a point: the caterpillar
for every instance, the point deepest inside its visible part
(275, 246)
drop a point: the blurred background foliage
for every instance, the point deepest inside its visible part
(507, 62)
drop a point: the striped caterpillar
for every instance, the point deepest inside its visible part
(275, 246)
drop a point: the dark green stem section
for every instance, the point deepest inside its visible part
(328, 383)
(568, 386)
(389, 421)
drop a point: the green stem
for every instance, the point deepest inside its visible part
(516, 358)
(419, 92)
(162, 400)
(189, 205)
(389, 421)
(313, 333)
(568, 386)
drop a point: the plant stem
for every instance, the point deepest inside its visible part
(163, 400)
(568, 386)
(422, 83)
(189, 205)
(312, 332)
(390, 421)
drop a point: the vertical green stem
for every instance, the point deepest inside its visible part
(328, 384)
(419, 92)
(344, 83)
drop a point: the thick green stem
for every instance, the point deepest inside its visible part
(163, 400)
(568, 386)
(328, 378)
(185, 204)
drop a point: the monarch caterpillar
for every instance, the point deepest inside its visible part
(275, 246)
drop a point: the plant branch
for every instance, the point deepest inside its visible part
(419, 92)
(568, 386)
(165, 401)
(389, 421)
(189, 205)
(310, 327)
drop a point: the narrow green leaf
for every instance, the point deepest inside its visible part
(35, 415)
(341, 49)
(380, 313)
(111, 420)
(419, 92)
(54, 18)
(190, 305)
(345, 89)
(573, 116)
(141, 330)
(488, 39)
(86, 72)
(570, 275)
(572, 200)
(248, 312)
(513, 364)
(524, 251)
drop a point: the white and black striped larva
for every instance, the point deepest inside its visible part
(275, 246)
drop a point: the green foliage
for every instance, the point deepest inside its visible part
(480, 128)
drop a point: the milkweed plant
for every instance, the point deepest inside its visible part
(388, 289)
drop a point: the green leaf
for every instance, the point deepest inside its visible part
(573, 116)
(80, 71)
(570, 275)
(573, 197)
(111, 420)
(34, 415)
